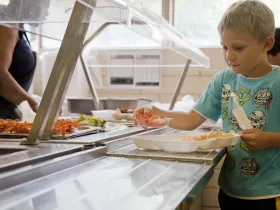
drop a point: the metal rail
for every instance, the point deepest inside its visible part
(180, 84)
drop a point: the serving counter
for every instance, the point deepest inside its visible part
(100, 176)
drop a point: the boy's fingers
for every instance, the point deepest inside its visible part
(138, 111)
(246, 137)
(247, 131)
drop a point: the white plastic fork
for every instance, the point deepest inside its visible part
(239, 114)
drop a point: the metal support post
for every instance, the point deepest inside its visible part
(180, 84)
(85, 68)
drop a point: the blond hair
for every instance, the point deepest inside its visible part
(250, 16)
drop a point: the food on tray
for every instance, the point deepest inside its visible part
(152, 121)
(61, 127)
(64, 127)
(207, 136)
(14, 126)
(91, 121)
(124, 111)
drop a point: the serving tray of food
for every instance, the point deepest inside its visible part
(63, 128)
(186, 142)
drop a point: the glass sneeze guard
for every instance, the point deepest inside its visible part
(76, 17)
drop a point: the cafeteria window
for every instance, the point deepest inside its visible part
(4, 2)
(198, 20)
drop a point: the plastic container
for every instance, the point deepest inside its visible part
(123, 116)
(104, 114)
(156, 123)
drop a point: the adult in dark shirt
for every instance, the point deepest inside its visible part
(17, 60)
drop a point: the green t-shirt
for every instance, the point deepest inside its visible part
(244, 173)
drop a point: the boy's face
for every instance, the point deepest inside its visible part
(243, 53)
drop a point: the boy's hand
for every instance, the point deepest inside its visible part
(147, 111)
(255, 140)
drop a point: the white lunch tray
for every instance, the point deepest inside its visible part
(174, 142)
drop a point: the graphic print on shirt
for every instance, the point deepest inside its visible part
(243, 95)
(226, 92)
(263, 97)
(224, 112)
(249, 167)
(233, 121)
(257, 119)
(230, 162)
(243, 146)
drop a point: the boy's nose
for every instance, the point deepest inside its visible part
(230, 56)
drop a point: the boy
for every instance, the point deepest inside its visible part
(273, 55)
(250, 176)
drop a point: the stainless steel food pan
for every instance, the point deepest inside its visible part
(86, 105)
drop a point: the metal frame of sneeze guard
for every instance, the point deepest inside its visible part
(137, 10)
(61, 74)
(73, 44)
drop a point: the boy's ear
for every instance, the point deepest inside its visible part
(268, 43)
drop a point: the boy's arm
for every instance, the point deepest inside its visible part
(181, 120)
(273, 140)
(207, 107)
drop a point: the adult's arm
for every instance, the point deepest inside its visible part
(9, 88)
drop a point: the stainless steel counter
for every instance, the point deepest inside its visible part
(109, 183)
(55, 148)
(92, 180)
(17, 160)
(23, 154)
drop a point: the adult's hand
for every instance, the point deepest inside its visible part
(33, 104)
